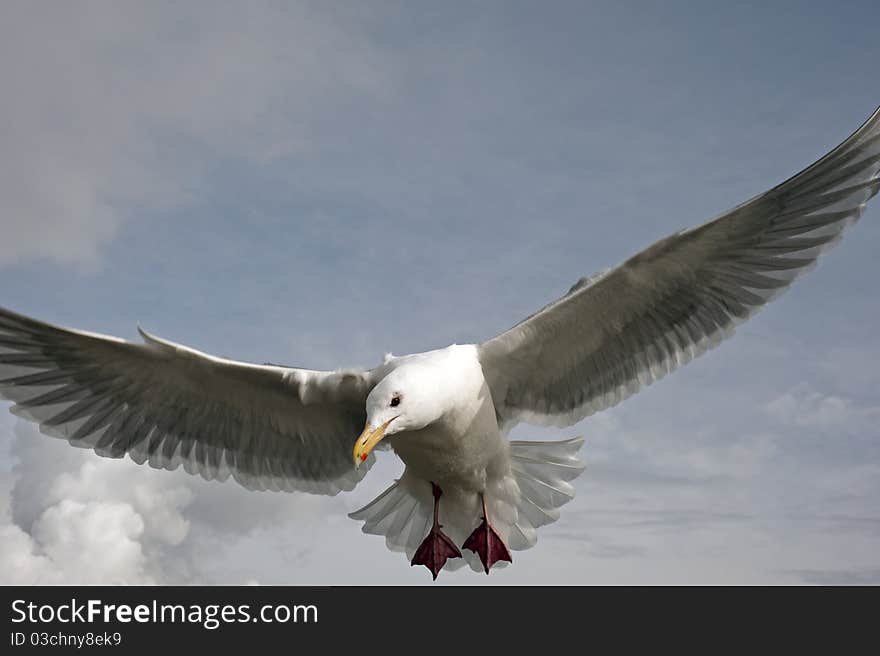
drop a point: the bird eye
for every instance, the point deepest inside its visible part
(395, 401)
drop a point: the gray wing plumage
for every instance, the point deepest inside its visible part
(270, 428)
(625, 328)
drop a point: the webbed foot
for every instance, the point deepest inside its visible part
(437, 547)
(487, 544)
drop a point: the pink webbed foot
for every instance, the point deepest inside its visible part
(487, 544)
(437, 547)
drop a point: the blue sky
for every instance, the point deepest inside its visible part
(319, 183)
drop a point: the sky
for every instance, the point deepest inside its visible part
(321, 183)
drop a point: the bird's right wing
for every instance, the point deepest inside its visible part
(618, 331)
(271, 428)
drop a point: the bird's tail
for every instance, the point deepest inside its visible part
(403, 514)
(530, 497)
(542, 471)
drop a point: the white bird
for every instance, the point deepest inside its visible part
(467, 494)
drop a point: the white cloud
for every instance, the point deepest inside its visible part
(804, 407)
(69, 516)
(676, 447)
(158, 504)
(96, 541)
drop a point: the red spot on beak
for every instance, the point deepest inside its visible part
(363, 457)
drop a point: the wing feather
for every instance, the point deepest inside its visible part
(269, 427)
(620, 330)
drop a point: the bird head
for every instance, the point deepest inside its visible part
(400, 402)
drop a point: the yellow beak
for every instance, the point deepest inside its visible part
(368, 440)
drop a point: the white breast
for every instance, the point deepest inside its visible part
(465, 448)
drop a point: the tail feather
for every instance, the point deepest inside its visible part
(547, 493)
(379, 514)
(560, 455)
(542, 471)
(518, 504)
(535, 513)
(402, 514)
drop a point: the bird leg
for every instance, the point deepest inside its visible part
(437, 547)
(486, 543)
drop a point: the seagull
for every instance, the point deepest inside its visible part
(467, 495)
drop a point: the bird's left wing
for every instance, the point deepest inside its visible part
(618, 331)
(269, 427)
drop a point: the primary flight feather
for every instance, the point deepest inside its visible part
(467, 494)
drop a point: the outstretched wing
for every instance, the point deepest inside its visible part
(625, 328)
(270, 428)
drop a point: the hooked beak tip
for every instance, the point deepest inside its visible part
(367, 440)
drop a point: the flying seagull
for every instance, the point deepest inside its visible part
(467, 495)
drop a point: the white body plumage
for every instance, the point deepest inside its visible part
(446, 432)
